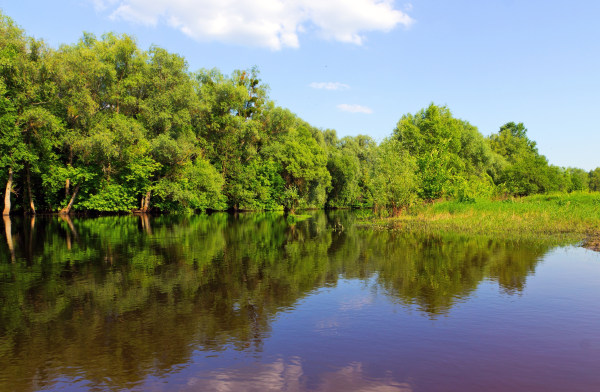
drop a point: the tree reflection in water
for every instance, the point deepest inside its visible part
(113, 300)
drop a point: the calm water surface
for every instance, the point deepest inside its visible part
(251, 303)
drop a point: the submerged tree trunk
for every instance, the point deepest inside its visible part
(28, 179)
(67, 209)
(7, 192)
(9, 241)
(146, 202)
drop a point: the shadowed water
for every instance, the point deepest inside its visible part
(249, 302)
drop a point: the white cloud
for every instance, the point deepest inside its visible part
(268, 23)
(329, 86)
(354, 108)
(101, 5)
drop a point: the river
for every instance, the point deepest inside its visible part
(250, 302)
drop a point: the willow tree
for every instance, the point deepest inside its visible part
(526, 171)
(27, 91)
(448, 150)
(300, 152)
(230, 109)
(394, 180)
(13, 47)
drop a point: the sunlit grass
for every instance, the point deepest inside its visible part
(558, 218)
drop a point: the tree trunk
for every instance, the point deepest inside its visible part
(67, 209)
(68, 181)
(146, 202)
(28, 178)
(7, 192)
(9, 241)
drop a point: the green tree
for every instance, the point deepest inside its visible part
(579, 180)
(448, 150)
(230, 108)
(29, 128)
(594, 179)
(300, 152)
(526, 171)
(394, 180)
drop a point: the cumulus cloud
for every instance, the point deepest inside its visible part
(354, 108)
(268, 23)
(329, 86)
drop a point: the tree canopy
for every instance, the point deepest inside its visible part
(103, 125)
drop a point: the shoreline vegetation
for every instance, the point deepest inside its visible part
(559, 219)
(105, 127)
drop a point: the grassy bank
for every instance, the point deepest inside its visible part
(558, 218)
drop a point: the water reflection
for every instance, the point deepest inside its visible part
(112, 300)
(288, 376)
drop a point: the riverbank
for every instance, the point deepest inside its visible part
(557, 218)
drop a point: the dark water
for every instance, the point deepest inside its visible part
(251, 303)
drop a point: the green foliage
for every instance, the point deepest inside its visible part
(526, 172)
(350, 164)
(594, 179)
(106, 126)
(110, 198)
(394, 180)
(300, 151)
(448, 151)
(579, 180)
(197, 187)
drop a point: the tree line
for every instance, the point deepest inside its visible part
(102, 125)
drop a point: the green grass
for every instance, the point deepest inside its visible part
(558, 218)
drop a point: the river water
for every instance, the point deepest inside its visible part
(250, 302)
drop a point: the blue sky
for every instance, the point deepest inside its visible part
(357, 66)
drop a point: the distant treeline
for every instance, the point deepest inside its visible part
(102, 125)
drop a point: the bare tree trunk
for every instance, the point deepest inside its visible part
(67, 209)
(146, 202)
(28, 178)
(9, 241)
(7, 192)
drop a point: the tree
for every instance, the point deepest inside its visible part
(394, 180)
(300, 151)
(448, 150)
(28, 126)
(526, 171)
(579, 180)
(229, 122)
(594, 179)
